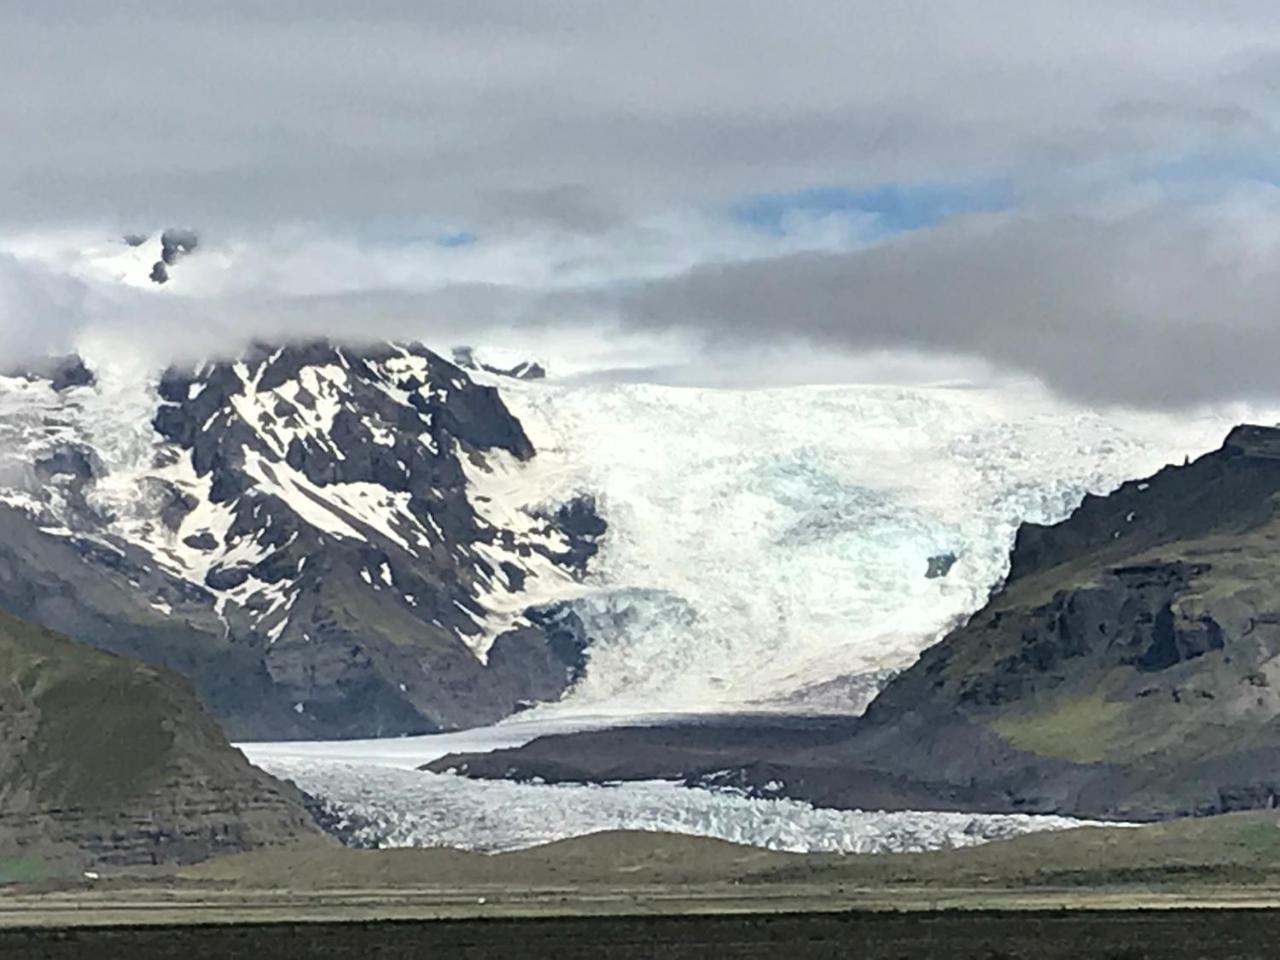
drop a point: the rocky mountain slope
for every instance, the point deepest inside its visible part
(328, 541)
(104, 761)
(1127, 668)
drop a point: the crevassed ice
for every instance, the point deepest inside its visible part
(764, 544)
(387, 807)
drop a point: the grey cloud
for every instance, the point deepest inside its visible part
(169, 329)
(1153, 308)
(583, 118)
(562, 207)
(233, 112)
(40, 312)
(1140, 302)
(1229, 118)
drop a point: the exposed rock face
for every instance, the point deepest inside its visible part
(104, 761)
(940, 565)
(175, 244)
(1129, 667)
(63, 373)
(327, 541)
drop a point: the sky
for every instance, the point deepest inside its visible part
(729, 192)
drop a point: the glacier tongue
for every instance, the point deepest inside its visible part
(386, 807)
(770, 548)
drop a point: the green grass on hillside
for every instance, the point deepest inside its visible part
(1078, 728)
(22, 870)
(103, 729)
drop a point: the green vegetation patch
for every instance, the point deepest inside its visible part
(102, 730)
(22, 870)
(1080, 728)
(101, 739)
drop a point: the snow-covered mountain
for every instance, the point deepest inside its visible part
(335, 541)
(327, 540)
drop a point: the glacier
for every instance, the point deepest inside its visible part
(767, 549)
(385, 807)
(373, 795)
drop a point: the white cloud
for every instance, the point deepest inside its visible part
(40, 311)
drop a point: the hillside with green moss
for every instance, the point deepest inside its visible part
(106, 761)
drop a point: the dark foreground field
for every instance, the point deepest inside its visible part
(1119, 935)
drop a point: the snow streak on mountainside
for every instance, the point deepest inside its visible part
(788, 548)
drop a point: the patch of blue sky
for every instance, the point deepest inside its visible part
(872, 213)
(1215, 170)
(459, 238)
(399, 234)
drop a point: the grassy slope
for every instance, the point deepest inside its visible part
(1096, 717)
(101, 733)
(1233, 849)
(102, 757)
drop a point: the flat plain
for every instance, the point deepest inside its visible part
(1194, 888)
(989, 935)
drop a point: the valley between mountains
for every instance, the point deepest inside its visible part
(457, 602)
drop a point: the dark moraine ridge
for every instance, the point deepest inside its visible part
(1129, 668)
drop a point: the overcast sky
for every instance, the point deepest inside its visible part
(1081, 192)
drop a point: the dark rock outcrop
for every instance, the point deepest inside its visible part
(62, 372)
(175, 244)
(940, 565)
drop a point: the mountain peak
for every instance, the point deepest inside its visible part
(468, 359)
(1253, 440)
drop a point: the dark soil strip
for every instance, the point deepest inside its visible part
(1129, 935)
